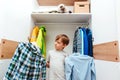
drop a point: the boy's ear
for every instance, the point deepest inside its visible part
(65, 45)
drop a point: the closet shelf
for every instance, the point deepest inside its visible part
(61, 17)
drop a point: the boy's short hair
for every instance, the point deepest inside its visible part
(63, 37)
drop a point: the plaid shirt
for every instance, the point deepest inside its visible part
(27, 64)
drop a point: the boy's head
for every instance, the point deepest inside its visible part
(61, 41)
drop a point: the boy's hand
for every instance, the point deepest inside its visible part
(47, 64)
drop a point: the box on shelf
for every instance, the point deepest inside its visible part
(82, 7)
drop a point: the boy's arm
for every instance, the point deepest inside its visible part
(48, 60)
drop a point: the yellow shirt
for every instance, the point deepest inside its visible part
(34, 34)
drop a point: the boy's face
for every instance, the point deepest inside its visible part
(59, 45)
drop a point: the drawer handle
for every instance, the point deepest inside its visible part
(81, 5)
(2, 56)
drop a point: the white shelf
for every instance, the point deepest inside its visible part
(61, 18)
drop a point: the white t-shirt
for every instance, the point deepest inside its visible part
(56, 70)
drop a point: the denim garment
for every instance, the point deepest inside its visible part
(80, 67)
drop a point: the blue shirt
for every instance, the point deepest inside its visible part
(79, 67)
(85, 41)
(90, 43)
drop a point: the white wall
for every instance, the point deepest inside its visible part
(118, 18)
(16, 24)
(103, 20)
(118, 15)
(3, 67)
(15, 19)
(106, 70)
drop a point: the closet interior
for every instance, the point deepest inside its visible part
(64, 23)
(61, 23)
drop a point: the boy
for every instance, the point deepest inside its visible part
(55, 59)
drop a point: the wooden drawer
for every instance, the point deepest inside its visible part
(56, 2)
(7, 48)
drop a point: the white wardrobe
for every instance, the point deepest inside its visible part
(17, 21)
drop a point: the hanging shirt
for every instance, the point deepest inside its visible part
(80, 67)
(56, 70)
(27, 64)
(82, 42)
(78, 42)
(41, 40)
(85, 37)
(34, 34)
